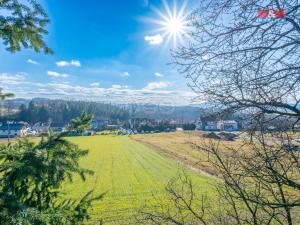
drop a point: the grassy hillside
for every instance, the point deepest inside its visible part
(129, 172)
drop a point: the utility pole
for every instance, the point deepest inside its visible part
(8, 130)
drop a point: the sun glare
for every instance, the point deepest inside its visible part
(175, 26)
(173, 23)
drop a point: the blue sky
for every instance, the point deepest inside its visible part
(106, 51)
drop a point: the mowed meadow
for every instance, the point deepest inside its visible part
(130, 173)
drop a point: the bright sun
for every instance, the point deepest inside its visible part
(175, 26)
(173, 23)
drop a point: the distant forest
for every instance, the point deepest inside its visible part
(61, 111)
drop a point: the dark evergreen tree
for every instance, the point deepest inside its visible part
(43, 115)
(189, 126)
(23, 25)
(32, 175)
(61, 111)
(4, 96)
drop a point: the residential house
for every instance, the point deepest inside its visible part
(199, 125)
(227, 125)
(58, 127)
(40, 128)
(136, 122)
(210, 126)
(97, 125)
(15, 129)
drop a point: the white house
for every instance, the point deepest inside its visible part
(14, 129)
(40, 128)
(227, 125)
(199, 125)
(210, 125)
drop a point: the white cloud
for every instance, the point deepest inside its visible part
(116, 93)
(53, 74)
(157, 85)
(32, 61)
(116, 86)
(63, 89)
(15, 77)
(60, 86)
(6, 78)
(155, 39)
(73, 62)
(56, 74)
(62, 63)
(125, 74)
(158, 74)
(96, 84)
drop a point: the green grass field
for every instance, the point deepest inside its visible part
(129, 172)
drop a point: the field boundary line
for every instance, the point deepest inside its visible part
(177, 159)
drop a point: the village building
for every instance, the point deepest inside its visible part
(136, 122)
(227, 125)
(40, 128)
(210, 126)
(199, 125)
(99, 124)
(58, 127)
(12, 130)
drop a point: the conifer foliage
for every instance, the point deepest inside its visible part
(31, 177)
(23, 25)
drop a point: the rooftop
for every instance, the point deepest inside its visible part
(14, 126)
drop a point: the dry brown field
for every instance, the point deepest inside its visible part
(182, 146)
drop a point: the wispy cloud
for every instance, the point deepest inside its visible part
(73, 62)
(154, 40)
(95, 84)
(6, 78)
(116, 93)
(62, 63)
(17, 82)
(116, 86)
(56, 74)
(32, 61)
(125, 74)
(157, 85)
(158, 74)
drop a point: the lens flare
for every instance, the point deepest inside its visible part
(175, 26)
(173, 23)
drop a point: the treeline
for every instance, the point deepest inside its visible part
(160, 127)
(164, 127)
(61, 111)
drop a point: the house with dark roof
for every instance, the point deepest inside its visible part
(227, 125)
(58, 127)
(19, 129)
(210, 126)
(97, 125)
(40, 128)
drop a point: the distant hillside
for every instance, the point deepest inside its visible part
(164, 112)
(61, 111)
(41, 109)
